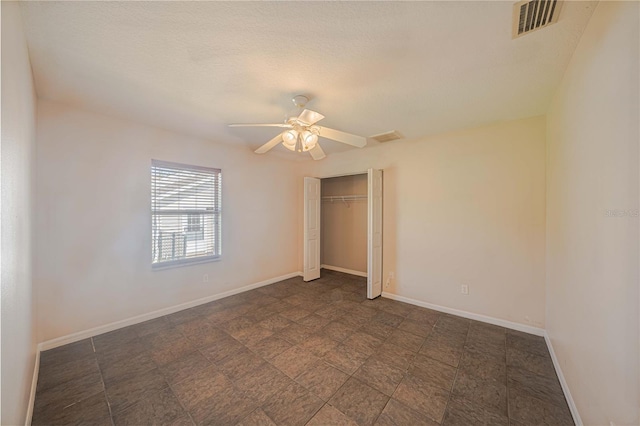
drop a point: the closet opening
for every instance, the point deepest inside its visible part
(343, 224)
(343, 227)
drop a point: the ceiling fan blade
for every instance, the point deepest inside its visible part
(267, 146)
(317, 153)
(309, 117)
(343, 137)
(287, 125)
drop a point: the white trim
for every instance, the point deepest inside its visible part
(50, 344)
(74, 337)
(343, 175)
(344, 270)
(34, 386)
(507, 324)
(565, 386)
(312, 229)
(161, 266)
(478, 317)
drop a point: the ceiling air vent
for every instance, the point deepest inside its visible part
(388, 136)
(532, 15)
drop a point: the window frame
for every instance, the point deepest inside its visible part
(216, 217)
(194, 229)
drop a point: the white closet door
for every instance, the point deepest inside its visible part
(311, 229)
(374, 243)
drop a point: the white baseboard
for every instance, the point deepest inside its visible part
(565, 387)
(344, 270)
(478, 317)
(50, 344)
(74, 337)
(34, 386)
(507, 324)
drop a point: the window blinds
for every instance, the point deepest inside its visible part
(185, 213)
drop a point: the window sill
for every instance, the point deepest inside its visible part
(184, 262)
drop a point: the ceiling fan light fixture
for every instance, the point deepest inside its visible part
(301, 134)
(309, 140)
(289, 139)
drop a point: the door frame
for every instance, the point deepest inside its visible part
(312, 229)
(359, 172)
(375, 199)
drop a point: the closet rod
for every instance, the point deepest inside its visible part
(344, 197)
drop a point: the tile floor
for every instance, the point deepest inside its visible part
(295, 353)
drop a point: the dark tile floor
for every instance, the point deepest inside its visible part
(296, 353)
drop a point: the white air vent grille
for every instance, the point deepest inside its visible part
(388, 136)
(532, 15)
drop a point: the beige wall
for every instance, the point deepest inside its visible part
(467, 207)
(344, 225)
(462, 208)
(93, 263)
(17, 159)
(592, 255)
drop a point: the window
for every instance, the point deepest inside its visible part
(194, 228)
(185, 213)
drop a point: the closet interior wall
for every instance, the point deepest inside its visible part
(344, 223)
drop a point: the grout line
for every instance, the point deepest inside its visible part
(181, 404)
(455, 377)
(170, 386)
(405, 372)
(171, 325)
(105, 328)
(104, 386)
(370, 322)
(315, 412)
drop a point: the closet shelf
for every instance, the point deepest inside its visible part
(344, 198)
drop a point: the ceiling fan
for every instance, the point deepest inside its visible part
(302, 133)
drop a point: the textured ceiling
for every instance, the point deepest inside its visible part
(418, 67)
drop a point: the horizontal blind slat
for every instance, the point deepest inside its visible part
(186, 211)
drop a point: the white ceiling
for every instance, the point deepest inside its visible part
(194, 67)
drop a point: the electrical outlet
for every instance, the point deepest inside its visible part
(205, 278)
(464, 289)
